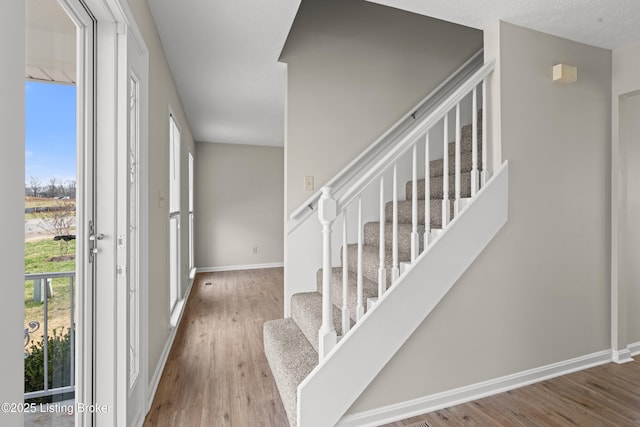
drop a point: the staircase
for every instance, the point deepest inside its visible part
(291, 344)
(371, 295)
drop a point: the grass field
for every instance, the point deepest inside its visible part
(38, 255)
(39, 202)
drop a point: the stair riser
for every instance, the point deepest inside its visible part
(436, 187)
(372, 236)
(306, 311)
(466, 145)
(405, 212)
(371, 262)
(369, 289)
(466, 162)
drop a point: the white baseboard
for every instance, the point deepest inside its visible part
(157, 374)
(434, 402)
(625, 355)
(239, 267)
(176, 314)
(621, 356)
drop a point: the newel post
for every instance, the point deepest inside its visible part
(327, 213)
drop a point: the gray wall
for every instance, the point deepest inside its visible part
(239, 203)
(162, 94)
(12, 46)
(539, 293)
(629, 205)
(626, 202)
(355, 68)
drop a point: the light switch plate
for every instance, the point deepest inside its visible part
(308, 183)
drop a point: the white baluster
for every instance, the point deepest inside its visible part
(474, 143)
(382, 271)
(327, 211)
(445, 174)
(485, 163)
(427, 193)
(456, 203)
(395, 268)
(415, 242)
(359, 296)
(346, 316)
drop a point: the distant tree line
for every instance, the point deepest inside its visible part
(54, 188)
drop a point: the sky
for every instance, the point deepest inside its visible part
(50, 140)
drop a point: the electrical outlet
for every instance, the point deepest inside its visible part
(255, 249)
(308, 183)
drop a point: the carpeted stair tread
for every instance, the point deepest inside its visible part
(466, 145)
(291, 358)
(371, 261)
(306, 311)
(405, 212)
(369, 289)
(436, 187)
(372, 235)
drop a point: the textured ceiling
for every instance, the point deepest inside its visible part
(223, 56)
(603, 23)
(223, 53)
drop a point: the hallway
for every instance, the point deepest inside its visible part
(216, 373)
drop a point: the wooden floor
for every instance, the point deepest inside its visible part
(604, 396)
(216, 373)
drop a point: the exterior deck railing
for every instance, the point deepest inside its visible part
(42, 291)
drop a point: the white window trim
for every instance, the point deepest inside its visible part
(176, 297)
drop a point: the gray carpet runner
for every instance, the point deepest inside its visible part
(291, 344)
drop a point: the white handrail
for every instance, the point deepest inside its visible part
(330, 207)
(350, 170)
(407, 141)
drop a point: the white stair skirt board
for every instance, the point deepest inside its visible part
(434, 402)
(370, 345)
(622, 356)
(240, 267)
